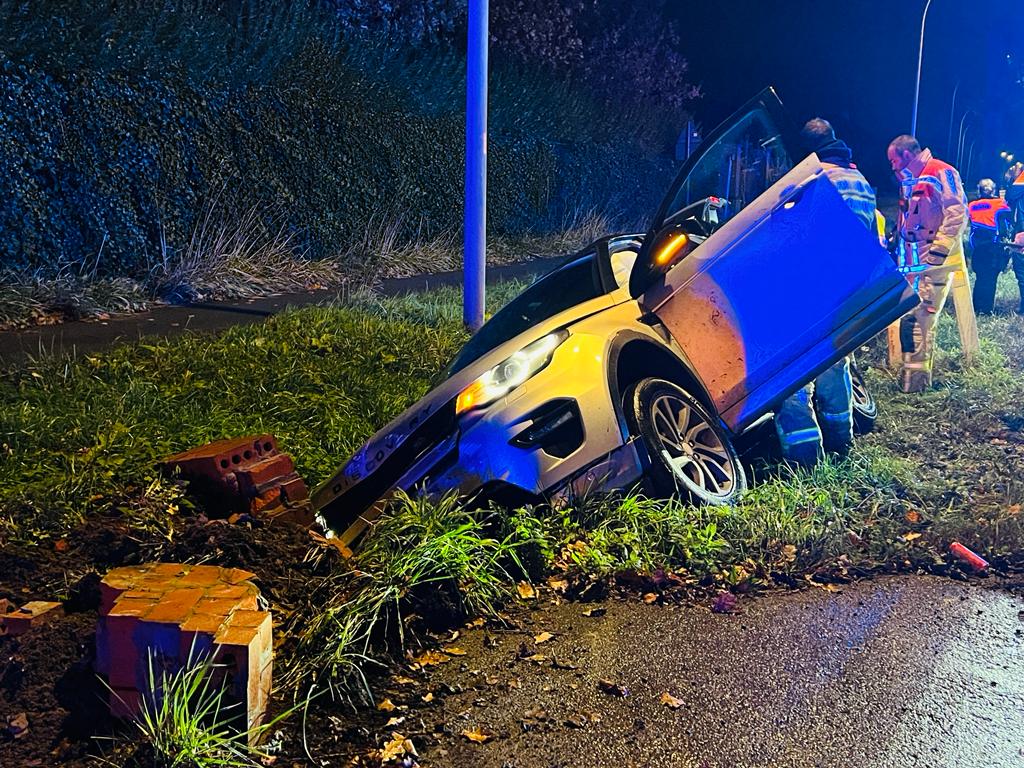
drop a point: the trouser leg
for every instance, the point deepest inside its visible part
(986, 273)
(917, 333)
(833, 396)
(797, 428)
(1018, 272)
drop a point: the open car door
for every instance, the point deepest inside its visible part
(758, 268)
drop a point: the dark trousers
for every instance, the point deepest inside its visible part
(988, 260)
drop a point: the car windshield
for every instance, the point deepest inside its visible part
(741, 164)
(566, 287)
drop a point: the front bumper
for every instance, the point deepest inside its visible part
(533, 443)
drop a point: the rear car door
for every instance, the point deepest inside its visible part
(779, 279)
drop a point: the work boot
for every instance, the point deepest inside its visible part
(915, 381)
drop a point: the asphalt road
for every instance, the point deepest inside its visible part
(166, 321)
(899, 672)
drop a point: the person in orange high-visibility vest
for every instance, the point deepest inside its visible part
(991, 228)
(932, 223)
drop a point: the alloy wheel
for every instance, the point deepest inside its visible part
(691, 447)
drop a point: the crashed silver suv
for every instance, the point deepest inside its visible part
(646, 356)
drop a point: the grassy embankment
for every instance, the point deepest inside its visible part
(80, 440)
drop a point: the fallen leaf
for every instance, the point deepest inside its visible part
(394, 721)
(556, 664)
(912, 516)
(824, 586)
(612, 689)
(543, 637)
(558, 585)
(394, 748)
(1013, 510)
(526, 590)
(451, 650)
(593, 613)
(478, 736)
(60, 545)
(910, 536)
(404, 681)
(476, 623)
(427, 697)
(432, 658)
(515, 683)
(724, 603)
(492, 679)
(536, 658)
(649, 598)
(788, 553)
(17, 726)
(671, 701)
(387, 706)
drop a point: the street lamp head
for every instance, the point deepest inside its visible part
(1003, 155)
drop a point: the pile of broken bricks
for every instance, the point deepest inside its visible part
(20, 620)
(244, 476)
(162, 617)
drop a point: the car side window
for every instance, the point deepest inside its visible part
(741, 164)
(623, 256)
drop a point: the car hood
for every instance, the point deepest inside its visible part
(367, 458)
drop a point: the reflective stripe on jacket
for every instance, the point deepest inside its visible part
(855, 190)
(934, 205)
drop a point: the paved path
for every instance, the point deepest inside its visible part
(87, 336)
(907, 672)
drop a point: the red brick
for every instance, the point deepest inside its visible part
(31, 615)
(294, 490)
(175, 606)
(267, 501)
(196, 640)
(201, 576)
(236, 575)
(117, 656)
(215, 606)
(252, 477)
(125, 703)
(247, 646)
(242, 591)
(216, 460)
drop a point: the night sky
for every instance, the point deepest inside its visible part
(854, 63)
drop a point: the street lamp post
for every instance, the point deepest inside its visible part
(952, 112)
(475, 211)
(920, 59)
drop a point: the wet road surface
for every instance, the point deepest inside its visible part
(901, 672)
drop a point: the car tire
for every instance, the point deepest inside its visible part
(690, 452)
(865, 410)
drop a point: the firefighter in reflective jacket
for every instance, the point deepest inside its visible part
(932, 222)
(991, 229)
(819, 417)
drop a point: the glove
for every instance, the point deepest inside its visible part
(936, 256)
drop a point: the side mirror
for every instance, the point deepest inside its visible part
(658, 256)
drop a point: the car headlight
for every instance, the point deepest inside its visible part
(510, 373)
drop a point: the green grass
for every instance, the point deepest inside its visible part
(81, 439)
(432, 558)
(186, 720)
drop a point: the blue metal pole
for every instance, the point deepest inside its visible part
(475, 212)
